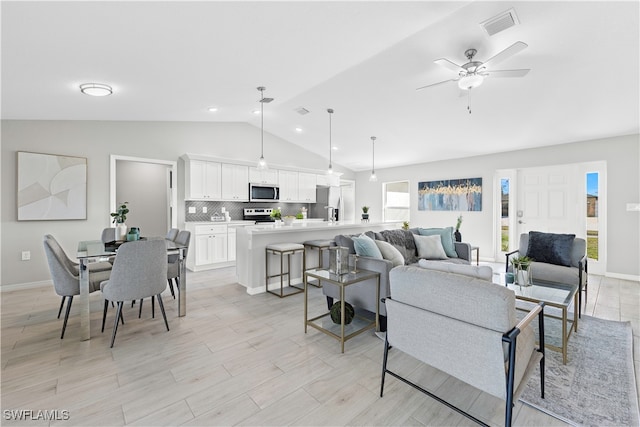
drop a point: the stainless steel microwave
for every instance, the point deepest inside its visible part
(263, 192)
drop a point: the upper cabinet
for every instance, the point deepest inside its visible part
(268, 176)
(307, 187)
(326, 180)
(204, 180)
(288, 181)
(235, 182)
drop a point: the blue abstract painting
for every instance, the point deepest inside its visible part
(450, 195)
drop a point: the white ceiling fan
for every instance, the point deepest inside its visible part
(473, 73)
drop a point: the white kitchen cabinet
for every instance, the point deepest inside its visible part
(203, 180)
(288, 182)
(328, 180)
(235, 182)
(208, 246)
(268, 176)
(307, 187)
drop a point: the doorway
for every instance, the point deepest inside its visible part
(556, 199)
(149, 187)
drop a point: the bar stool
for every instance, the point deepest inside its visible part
(283, 249)
(318, 245)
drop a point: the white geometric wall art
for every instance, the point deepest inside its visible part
(51, 187)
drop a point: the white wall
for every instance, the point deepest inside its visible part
(97, 140)
(622, 155)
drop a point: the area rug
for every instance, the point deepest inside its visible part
(597, 386)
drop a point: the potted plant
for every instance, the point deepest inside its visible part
(405, 225)
(521, 270)
(119, 218)
(276, 214)
(456, 233)
(365, 213)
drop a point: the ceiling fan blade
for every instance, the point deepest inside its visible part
(448, 64)
(436, 84)
(508, 73)
(508, 52)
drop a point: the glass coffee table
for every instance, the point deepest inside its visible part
(558, 295)
(323, 322)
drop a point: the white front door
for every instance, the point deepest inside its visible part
(549, 200)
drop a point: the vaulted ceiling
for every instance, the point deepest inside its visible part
(171, 61)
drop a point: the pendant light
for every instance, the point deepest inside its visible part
(373, 177)
(262, 163)
(330, 170)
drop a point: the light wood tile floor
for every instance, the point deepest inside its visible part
(234, 359)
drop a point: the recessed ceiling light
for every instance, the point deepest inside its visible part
(298, 130)
(256, 112)
(96, 89)
(213, 109)
(334, 148)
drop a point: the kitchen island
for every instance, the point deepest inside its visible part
(252, 241)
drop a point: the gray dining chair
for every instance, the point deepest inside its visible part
(139, 271)
(183, 238)
(172, 234)
(65, 275)
(108, 235)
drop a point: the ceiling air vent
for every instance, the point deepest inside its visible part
(500, 22)
(302, 111)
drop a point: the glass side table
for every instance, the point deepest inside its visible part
(359, 323)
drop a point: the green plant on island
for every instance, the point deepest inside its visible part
(276, 214)
(365, 209)
(299, 215)
(120, 215)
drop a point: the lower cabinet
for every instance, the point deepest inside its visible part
(212, 245)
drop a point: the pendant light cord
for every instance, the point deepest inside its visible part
(330, 111)
(261, 123)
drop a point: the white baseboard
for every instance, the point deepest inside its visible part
(275, 285)
(629, 277)
(22, 286)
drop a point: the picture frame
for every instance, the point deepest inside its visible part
(51, 187)
(450, 195)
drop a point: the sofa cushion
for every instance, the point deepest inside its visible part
(390, 252)
(346, 242)
(366, 246)
(446, 235)
(478, 271)
(403, 241)
(551, 248)
(430, 247)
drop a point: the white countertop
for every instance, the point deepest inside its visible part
(310, 225)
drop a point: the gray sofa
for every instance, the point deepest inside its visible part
(362, 295)
(565, 259)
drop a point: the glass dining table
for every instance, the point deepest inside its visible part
(94, 250)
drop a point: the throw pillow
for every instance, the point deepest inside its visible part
(403, 241)
(366, 246)
(551, 248)
(446, 235)
(346, 242)
(390, 253)
(430, 247)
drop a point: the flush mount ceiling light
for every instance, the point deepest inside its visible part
(262, 163)
(373, 177)
(96, 89)
(330, 169)
(213, 109)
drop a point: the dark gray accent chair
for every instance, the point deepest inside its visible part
(172, 234)
(139, 271)
(65, 275)
(575, 274)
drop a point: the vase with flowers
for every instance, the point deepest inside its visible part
(456, 233)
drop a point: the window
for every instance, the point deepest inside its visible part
(592, 215)
(396, 201)
(504, 214)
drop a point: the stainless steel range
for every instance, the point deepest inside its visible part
(257, 214)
